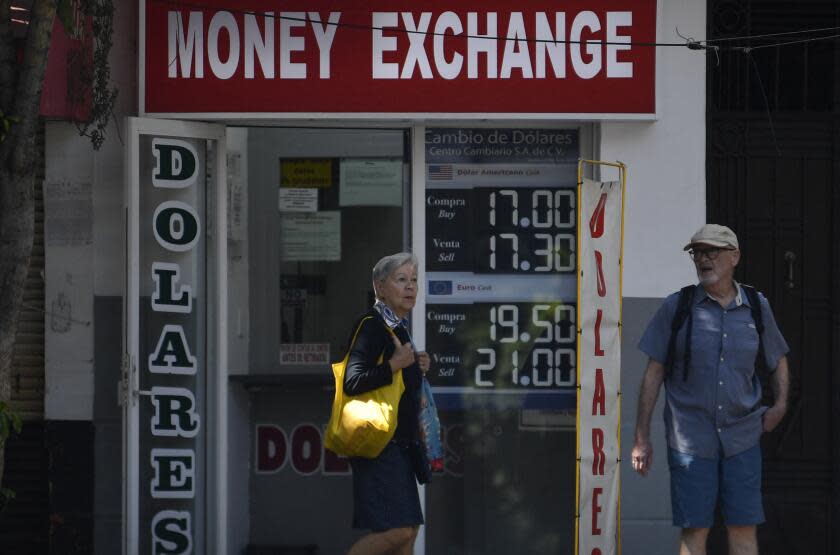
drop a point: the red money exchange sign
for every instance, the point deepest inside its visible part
(393, 58)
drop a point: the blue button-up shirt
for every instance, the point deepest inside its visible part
(718, 406)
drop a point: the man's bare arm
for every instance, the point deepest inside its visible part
(642, 454)
(781, 385)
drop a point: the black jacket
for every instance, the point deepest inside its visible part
(363, 374)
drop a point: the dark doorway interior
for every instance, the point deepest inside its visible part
(773, 165)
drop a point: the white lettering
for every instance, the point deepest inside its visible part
(614, 67)
(172, 354)
(585, 70)
(263, 46)
(449, 317)
(175, 414)
(226, 21)
(324, 36)
(168, 297)
(382, 44)
(453, 244)
(448, 202)
(172, 533)
(289, 44)
(516, 54)
(190, 45)
(556, 51)
(416, 55)
(174, 473)
(447, 21)
(477, 43)
(258, 43)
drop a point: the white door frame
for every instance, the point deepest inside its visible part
(215, 419)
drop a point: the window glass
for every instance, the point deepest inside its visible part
(323, 206)
(500, 263)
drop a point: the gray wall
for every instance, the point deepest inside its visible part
(645, 501)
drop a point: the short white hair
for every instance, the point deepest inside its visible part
(387, 265)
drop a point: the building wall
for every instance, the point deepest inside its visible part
(665, 204)
(85, 279)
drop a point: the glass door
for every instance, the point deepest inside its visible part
(174, 373)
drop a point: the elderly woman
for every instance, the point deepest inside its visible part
(384, 489)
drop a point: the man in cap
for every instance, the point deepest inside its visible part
(713, 413)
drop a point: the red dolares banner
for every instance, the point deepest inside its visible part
(599, 366)
(327, 56)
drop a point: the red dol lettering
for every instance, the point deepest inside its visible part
(600, 397)
(596, 229)
(271, 448)
(596, 222)
(304, 450)
(599, 352)
(598, 457)
(602, 284)
(596, 508)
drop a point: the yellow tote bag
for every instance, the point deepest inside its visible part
(362, 425)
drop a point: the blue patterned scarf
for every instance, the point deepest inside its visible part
(389, 316)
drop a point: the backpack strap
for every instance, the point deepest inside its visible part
(682, 314)
(755, 310)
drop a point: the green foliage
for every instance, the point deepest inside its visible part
(97, 76)
(64, 13)
(6, 496)
(6, 124)
(9, 422)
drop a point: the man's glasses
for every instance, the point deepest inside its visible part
(712, 254)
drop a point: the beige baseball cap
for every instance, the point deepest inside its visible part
(714, 235)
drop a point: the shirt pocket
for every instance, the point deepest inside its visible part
(744, 346)
(705, 340)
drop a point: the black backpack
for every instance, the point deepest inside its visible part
(684, 313)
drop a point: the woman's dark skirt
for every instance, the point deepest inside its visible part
(385, 491)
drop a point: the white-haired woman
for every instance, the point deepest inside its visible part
(385, 499)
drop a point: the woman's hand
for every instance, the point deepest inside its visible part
(403, 356)
(423, 361)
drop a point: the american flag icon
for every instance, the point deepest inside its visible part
(439, 172)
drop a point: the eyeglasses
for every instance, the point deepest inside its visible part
(712, 254)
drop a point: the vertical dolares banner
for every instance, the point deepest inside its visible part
(600, 236)
(173, 344)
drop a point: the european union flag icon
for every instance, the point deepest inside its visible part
(440, 287)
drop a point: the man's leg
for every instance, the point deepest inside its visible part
(693, 541)
(742, 540)
(694, 488)
(741, 500)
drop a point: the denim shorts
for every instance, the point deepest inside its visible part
(697, 483)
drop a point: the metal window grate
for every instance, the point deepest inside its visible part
(795, 78)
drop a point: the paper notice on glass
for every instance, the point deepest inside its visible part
(371, 183)
(298, 200)
(310, 236)
(306, 172)
(305, 354)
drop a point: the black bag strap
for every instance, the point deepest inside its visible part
(682, 314)
(755, 310)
